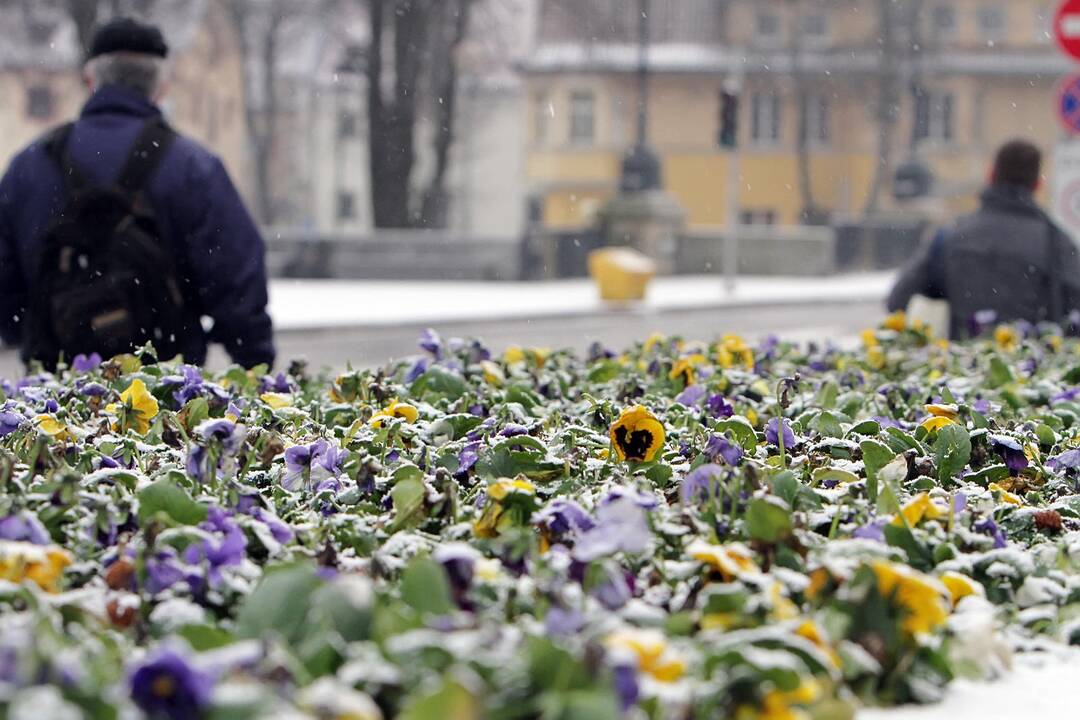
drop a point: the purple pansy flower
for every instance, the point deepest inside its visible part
(989, 527)
(626, 685)
(718, 407)
(621, 525)
(561, 516)
(1011, 451)
(720, 448)
(563, 622)
(1068, 460)
(10, 422)
(982, 321)
(166, 685)
(700, 484)
(163, 570)
(772, 435)
(227, 549)
(432, 343)
(418, 368)
(319, 461)
(86, 363)
(693, 395)
(873, 530)
(24, 526)
(468, 456)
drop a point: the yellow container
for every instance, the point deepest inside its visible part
(621, 273)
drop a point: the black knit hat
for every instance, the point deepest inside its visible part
(127, 35)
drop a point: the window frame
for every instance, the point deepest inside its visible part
(580, 99)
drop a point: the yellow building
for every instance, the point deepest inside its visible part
(946, 85)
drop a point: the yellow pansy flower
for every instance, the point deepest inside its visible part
(1005, 495)
(137, 407)
(654, 657)
(731, 561)
(276, 400)
(935, 423)
(395, 409)
(513, 355)
(920, 596)
(43, 565)
(493, 374)
(875, 357)
(493, 519)
(869, 338)
(810, 630)
(686, 368)
(779, 704)
(752, 416)
(653, 340)
(52, 427)
(637, 435)
(960, 586)
(1007, 338)
(732, 350)
(919, 508)
(941, 410)
(897, 321)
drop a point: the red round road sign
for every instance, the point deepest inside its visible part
(1067, 28)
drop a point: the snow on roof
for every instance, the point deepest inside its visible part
(702, 58)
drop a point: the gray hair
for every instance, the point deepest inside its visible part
(140, 72)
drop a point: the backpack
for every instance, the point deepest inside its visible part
(106, 282)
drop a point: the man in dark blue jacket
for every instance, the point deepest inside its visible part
(217, 248)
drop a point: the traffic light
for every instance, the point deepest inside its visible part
(729, 120)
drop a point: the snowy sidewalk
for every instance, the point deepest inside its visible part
(323, 304)
(1039, 686)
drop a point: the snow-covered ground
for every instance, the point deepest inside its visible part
(1043, 686)
(308, 304)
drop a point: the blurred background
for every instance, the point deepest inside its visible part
(503, 140)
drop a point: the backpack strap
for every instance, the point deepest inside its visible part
(150, 146)
(56, 146)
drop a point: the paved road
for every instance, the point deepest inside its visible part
(372, 346)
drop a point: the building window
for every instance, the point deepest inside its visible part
(992, 22)
(582, 117)
(943, 22)
(39, 102)
(816, 115)
(346, 205)
(757, 217)
(767, 27)
(814, 27)
(934, 116)
(765, 118)
(346, 124)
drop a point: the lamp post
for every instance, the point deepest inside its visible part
(640, 166)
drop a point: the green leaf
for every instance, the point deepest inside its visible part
(1000, 374)
(866, 427)
(875, 456)
(407, 496)
(822, 474)
(165, 496)
(205, 637)
(279, 603)
(453, 427)
(439, 382)
(604, 371)
(768, 519)
(827, 425)
(450, 702)
(425, 588)
(952, 451)
(786, 487)
(826, 397)
(918, 555)
(741, 431)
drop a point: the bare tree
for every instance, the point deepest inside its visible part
(258, 25)
(803, 86)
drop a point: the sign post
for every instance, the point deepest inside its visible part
(1067, 28)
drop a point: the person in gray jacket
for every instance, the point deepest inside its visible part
(1008, 261)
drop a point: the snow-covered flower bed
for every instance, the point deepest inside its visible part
(679, 530)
